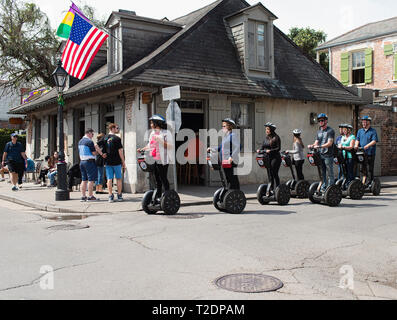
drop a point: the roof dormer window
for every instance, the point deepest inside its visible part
(252, 31)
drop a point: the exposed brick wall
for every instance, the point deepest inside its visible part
(387, 119)
(7, 125)
(382, 65)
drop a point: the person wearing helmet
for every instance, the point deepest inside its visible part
(229, 151)
(297, 152)
(338, 143)
(367, 138)
(325, 143)
(272, 146)
(347, 145)
(160, 141)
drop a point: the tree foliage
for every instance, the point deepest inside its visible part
(308, 40)
(28, 45)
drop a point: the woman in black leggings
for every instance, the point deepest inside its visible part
(272, 146)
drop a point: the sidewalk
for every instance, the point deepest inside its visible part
(43, 199)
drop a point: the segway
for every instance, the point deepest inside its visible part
(333, 195)
(152, 202)
(298, 189)
(373, 186)
(225, 200)
(355, 189)
(266, 192)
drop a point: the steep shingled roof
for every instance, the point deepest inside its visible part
(202, 56)
(365, 32)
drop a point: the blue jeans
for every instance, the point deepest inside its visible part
(328, 172)
(51, 176)
(99, 181)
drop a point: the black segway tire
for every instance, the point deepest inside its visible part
(146, 201)
(235, 201)
(355, 190)
(302, 189)
(170, 202)
(261, 193)
(333, 196)
(312, 190)
(217, 199)
(376, 187)
(283, 195)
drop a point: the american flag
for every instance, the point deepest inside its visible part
(84, 42)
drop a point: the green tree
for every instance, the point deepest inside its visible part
(308, 40)
(28, 45)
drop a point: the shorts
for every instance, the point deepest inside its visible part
(16, 167)
(89, 171)
(114, 171)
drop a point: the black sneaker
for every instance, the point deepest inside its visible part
(92, 199)
(120, 198)
(83, 199)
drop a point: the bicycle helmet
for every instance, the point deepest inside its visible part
(297, 132)
(159, 121)
(271, 126)
(230, 121)
(368, 118)
(322, 116)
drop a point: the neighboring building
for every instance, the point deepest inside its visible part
(8, 99)
(366, 58)
(230, 61)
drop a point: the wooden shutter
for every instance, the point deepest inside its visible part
(395, 66)
(345, 68)
(388, 49)
(368, 65)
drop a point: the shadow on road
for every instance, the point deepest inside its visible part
(361, 205)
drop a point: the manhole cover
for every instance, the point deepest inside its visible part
(67, 227)
(249, 283)
(186, 216)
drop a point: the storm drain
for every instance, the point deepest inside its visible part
(67, 227)
(249, 283)
(186, 216)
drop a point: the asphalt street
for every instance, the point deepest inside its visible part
(136, 256)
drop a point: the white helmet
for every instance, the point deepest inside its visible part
(297, 132)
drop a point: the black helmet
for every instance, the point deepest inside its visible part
(343, 125)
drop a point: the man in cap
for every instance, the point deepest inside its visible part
(367, 138)
(325, 142)
(14, 154)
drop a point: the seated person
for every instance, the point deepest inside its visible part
(4, 170)
(44, 170)
(73, 174)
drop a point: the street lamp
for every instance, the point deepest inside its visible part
(62, 193)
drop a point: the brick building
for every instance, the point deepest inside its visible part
(366, 58)
(8, 99)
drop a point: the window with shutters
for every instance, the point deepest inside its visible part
(243, 115)
(258, 45)
(358, 67)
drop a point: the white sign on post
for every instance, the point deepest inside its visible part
(172, 93)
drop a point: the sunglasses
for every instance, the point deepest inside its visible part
(321, 121)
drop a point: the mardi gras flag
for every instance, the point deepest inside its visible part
(84, 42)
(66, 25)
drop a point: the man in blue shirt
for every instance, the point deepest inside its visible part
(325, 143)
(367, 138)
(88, 168)
(14, 154)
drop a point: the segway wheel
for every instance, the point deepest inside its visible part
(355, 190)
(217, 199)
(333, 196)
(261, 193)
(283, 195)
(376, 187)
(312, 190)
(235, 201)
(289, 184)
(302, 189)
(146, 201)
(170, 202)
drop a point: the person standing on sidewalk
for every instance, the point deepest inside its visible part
(14, 154)
(114, 162)
(88, 152)
(100, 163)
(325, 142)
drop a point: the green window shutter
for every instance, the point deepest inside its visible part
(388, 49)
(344, 68)
(368, 65)
(395, 66)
